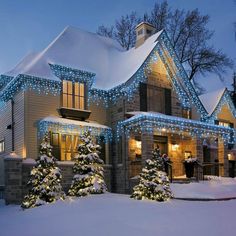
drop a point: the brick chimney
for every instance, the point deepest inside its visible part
(143, 31)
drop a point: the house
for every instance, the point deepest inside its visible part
(131, 101)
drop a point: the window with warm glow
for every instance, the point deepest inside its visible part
(2, 146)
(186, 113)
(73, 95)
(225, 124)
(68, 147)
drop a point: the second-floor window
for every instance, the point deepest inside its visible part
(153, 98)
(73, 95)
(186, 113)
(2, 146)
(225, 124)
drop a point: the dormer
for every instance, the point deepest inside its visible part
(143, 31)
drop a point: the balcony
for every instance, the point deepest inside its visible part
(75, 114)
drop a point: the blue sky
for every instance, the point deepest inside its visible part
(28, 25)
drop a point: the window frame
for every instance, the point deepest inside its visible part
(188, 113)
(2, 142)
(75, 94)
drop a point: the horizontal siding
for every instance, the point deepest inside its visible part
(99, 113)
(5, 120)
(37, 107)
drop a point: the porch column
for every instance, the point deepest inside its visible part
(223, 158)
(147, 146)
(199, 149)
(199, 155)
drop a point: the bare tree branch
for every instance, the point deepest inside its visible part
(188, 33)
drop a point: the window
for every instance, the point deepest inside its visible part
(153, 98)
(2, 146)
(186, 113)
(73, 95)
(55, 145)
(148, 31)
(225, 124)
(140, 32)
(69, 146)
(161, 142)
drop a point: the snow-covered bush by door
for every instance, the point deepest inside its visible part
(88, 169)
(154, 183)
(45, 179)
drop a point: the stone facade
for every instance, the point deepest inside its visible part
(17, 174)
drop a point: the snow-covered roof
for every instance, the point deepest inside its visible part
(64, 121)
(211, 99)
(90, 52)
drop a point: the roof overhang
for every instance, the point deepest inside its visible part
(151, 121)
(67, 126)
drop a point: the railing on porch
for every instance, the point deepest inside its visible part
(213, 167)
(170, 171)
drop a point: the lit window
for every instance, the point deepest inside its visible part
(223, 123)
(186, 113)
(73, 95)
(2, 146)
(68, 147)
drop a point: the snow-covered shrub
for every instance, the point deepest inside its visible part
(88, 169)
(45, 179)
(154, 183)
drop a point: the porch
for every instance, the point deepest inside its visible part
(179, 138)
(65, 136)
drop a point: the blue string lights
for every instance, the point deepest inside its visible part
(192, 94)
(149, 122)
(4, 79)
(225, 100)
(176, 74)
(75, 75)
(24, 82)
(77, 128)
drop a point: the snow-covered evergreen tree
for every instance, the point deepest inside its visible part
(154, 183)
(45, 179)
(88, 169)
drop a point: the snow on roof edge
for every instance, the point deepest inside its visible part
(211, 99)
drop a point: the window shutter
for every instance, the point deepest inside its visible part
(167, 101)
(143, 96)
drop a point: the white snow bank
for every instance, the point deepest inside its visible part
(115, 215)
(217, 187)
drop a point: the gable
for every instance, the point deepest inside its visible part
(226, 114)
(176, 74)
(225, 109)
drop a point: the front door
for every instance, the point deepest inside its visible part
(162, 143)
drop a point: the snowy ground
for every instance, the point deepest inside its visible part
(113, 214)
(217, 187)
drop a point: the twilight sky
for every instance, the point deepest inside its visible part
(28, 25)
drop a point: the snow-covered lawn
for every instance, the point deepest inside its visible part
(114, 214)
(217, 187)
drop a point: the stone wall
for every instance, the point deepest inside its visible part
(17, 173)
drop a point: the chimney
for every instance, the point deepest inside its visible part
(143, 31)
